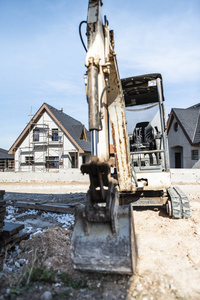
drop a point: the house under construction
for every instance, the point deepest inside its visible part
(6, 161)
(52, 140)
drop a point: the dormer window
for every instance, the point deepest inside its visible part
(36, 135)
(54, 134)
(176, 126)
(83, 135)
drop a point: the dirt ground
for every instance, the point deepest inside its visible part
(168, 263)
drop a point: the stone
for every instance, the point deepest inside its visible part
(17, 264)
(46, 296)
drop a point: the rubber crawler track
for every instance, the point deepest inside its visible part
(179, 202)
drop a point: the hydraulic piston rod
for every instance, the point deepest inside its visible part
(93, 100)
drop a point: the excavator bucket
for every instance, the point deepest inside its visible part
(102, 251)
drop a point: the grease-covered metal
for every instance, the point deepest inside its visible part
(116, 108)
(101, 250)
(93, 96)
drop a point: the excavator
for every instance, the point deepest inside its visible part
(132, 109)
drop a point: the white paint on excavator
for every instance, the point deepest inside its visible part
(155, 180)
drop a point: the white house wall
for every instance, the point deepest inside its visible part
(178, 139)
(65, 148)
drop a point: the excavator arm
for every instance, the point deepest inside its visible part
(105, 96)
(103, 237)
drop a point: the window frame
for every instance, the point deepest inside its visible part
(36, 135)
(55, 135)
(52, 162)
(29, 160)
(193, 155)
(176, 126)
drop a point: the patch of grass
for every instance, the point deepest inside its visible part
(76, 284)
(43, 275)
(40, 275)
(18, 290)
(62, 295)
(64, 277)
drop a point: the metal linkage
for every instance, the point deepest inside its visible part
(102, 197)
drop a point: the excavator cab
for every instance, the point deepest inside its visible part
(143, 137)
(146, 126)
(144, 101)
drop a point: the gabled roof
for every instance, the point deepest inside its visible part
(189, 121)
(4, 154)
(70, 126)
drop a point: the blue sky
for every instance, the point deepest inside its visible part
(42, 58)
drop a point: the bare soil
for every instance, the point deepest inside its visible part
(168, 263)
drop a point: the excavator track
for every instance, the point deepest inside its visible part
(178, 205)
(184, 202)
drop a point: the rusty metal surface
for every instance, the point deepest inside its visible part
(117, 115)
(102, 199)
(94, 116)
(101, 251)
(101, 53)
(152, 198)
(95, 35)
(98, 171)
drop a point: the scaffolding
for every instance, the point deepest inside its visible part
(41, 147)
(44, 149)
(6, 164)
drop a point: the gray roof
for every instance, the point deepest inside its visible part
(4, 154)
(189, 119)
(73, 127)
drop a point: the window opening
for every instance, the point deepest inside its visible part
(83, 135)
(52, 162)
(195, 154)
(54, 134)
(36, 134)
(176, 126)
(29, 160)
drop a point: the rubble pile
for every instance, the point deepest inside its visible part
(11, 234)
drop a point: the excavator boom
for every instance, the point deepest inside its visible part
(103, 239)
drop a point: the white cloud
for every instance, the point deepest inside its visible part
(64, 86)
(167, 45)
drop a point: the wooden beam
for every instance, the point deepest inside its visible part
(52, 207)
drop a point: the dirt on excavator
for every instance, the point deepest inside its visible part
(168, 265)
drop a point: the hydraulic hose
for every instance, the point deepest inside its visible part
(80, 34)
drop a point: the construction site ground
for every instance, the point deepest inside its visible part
(40, 267)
